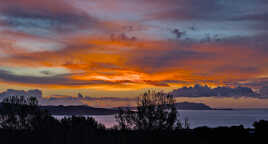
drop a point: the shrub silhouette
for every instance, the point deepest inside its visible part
(18, 112)
(155, 121)
(261, 128)
(79, 123)
(155, 111)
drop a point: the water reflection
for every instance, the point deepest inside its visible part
(211, 118)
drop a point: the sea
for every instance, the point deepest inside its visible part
(209, 118)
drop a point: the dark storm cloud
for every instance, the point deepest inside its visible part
(205, 91)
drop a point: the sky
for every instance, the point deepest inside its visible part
(113, 50)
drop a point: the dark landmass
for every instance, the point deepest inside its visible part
(78, 110)
(223, 109)
(192, 106)
(180, 106)
(87, 110)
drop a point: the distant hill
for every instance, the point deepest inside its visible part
(87, 110)
(192, 106)
(181, 106)
(78, 110)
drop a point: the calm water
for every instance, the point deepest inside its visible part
(211, 118)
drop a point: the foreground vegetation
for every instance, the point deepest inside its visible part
(155, 121)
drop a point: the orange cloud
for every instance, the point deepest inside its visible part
(119, 64)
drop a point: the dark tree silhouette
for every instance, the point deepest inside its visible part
(155, 111)
(18, 112)
(81, 123)
(261, 128)
(155, 121)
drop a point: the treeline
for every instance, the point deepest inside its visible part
(155, 122)
(84, 131)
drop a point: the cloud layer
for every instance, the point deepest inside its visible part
(132, 45)
(68, 100)
(220, 92)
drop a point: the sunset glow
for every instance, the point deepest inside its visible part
(117, 48)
